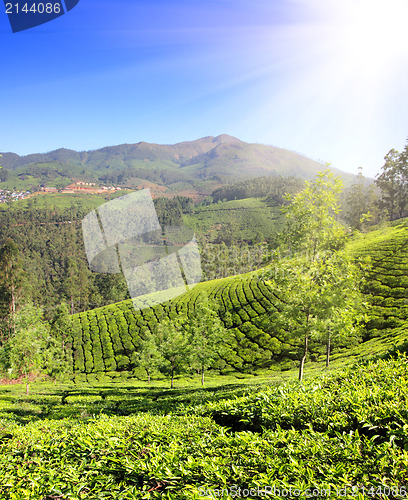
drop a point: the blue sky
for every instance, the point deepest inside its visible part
(326, 79)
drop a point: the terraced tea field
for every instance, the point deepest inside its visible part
(249, 217)
(387, 283)
(106, 338)
(341, 435)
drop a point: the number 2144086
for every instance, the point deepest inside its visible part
(35, 8)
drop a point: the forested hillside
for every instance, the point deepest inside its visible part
(273, 189)
(232, 238)
(196, 167)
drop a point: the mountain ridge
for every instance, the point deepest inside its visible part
(221, 159)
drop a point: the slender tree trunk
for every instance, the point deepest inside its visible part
(172, 378)
(13, 300)
(72, 304)
(328, 350)
(302, 361)
(148, 376)
(13, 307)
(202, 375)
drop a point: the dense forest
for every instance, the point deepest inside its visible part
(52, 257)
(273, 188)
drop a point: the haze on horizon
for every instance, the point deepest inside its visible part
(326, 80)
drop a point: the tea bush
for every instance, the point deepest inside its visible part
(346, 432)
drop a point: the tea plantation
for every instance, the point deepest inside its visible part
(249, 216)
(387, 284)
(342, 435)
(105, 339)
(252, 432)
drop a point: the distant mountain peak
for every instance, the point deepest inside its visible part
(226, 139)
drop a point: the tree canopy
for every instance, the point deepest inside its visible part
(393, 182)
(318, 289)
(310, 217)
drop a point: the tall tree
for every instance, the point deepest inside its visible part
(28, 344)
(299, 296)
(313, 288)
(317, 300)
(36, 347)
(173, 347)
(393, 182)
(58, 359)
(148, 357)
(342, 306)
(403, 182)
(362, 204)
(76, 285)
(11, 282)
(208, 339)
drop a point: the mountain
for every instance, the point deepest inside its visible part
(222, 159)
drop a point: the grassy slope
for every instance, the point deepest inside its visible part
(248, 216)
(387, 284)
(57, 200)
(105, 338)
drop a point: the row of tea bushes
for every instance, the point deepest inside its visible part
(342, 437)
(106, 339)
(387, 282)
(370, 399)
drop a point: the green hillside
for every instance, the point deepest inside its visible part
(201, 165)
(48, 231)
(248, 217)
(106, 338)
(387, 284)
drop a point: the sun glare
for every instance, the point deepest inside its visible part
(343, 78)
(370, 36)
